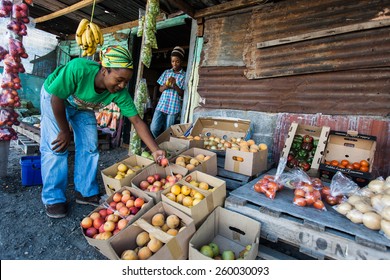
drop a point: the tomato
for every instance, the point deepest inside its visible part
(258, 188)
(364, 163)
(299, 193)
(349, 166)
(325, 191)
(319, 205)
(316, 194)
(363, 168)
(310, 199)
(270, 194)
(300, 201)
(341, 166)
(334, 162)
(331, 200)
(356, 165)
(272, 186)
(344, 162)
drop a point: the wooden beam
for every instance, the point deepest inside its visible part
(182, 5)
(325, 33)
(228, 6)
(67, 10)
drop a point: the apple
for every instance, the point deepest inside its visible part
(157, 177)
(122, 223)
(103, 213)
(98, 222)
(215, 248)
(228, 255)
(130, 203)
(150, 179)
(91, 232)
(163, 181)
(157, 184)
(134, 210)
(154, 189)
(86, 222)
(207, 251)
(95, 215)
(164, 162)
(109, 226)
(101, 228)
(144, 184)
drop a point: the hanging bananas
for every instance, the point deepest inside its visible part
(88, 37)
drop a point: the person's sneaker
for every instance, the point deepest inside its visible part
(57, 210)
(91, 200)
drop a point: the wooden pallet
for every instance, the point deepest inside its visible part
(318, 234)
(31, 136)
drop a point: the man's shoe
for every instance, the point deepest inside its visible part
(57, 210)
(91, 200)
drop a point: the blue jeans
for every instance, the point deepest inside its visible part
(54, 166)
(161, 122)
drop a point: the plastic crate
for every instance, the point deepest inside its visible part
(31, 170)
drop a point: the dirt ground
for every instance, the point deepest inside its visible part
(27, 233)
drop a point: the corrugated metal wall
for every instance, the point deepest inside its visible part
(340, 81)
(362, 88)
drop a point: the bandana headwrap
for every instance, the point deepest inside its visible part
(179, 52)
(116, 57)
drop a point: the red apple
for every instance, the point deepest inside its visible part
(101, 228)
(157, 177)
(150, 179)
(98, 222)
(103, 213)
(90, 232)
(144, 185)
(134, 210)
(157, 184)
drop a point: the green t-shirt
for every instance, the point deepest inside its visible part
(75, 83)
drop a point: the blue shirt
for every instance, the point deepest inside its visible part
(169, 102)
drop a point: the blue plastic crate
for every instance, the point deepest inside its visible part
(31, 170)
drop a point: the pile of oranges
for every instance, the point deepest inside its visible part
(363, 165)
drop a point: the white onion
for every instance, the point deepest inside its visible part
(363, 207)
(385, 213)
(386, 200)
(355, 216)
(354, 199)
(343, 208)
(388, 179)
(376, 201)
(385, 227)
(372, 220)
(366, 192)
(376, 185)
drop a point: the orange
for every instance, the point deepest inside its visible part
(364, 163)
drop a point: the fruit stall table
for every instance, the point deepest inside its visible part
(316, 233)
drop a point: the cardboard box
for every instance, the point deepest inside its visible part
(111, 185)
(318, 133)
(103, 246)
(188, 143)
(217, 187)
(176, 130)
(230, 231)
(175, 248)
(199, 212)
(225, 128)
(173, 149)
(246, 163)
(351, 146)
(157, 169)
(209, 166)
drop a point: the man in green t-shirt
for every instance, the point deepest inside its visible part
(70, 95)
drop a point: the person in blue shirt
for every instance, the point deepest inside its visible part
(172, 88)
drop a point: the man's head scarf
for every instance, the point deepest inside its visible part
(116, 57)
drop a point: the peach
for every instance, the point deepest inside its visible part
(95, 215)
(173, 221)
(86, 222)
(103, 213)
(125, 198)
(165, 227)
(171, 196)
(119, 205)
(172, 231)
(154, 244)
(126, 192)
(124, 211)
(129, 255)
(113, 205)
(109, 226)
(164, 162)
(101, 228)
(203, 186)
(144, 253)
(113, 218)
(134, 210)
(98, 222)
(122, 223)
(117, 197)
(130, 203)
(158, 220)
(142, 238)
(139, 201)
(144, 185)
(105, 235)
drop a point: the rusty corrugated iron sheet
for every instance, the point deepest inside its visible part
(354, 50)
(355, 92)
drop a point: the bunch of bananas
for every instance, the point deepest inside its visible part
(88, 37)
